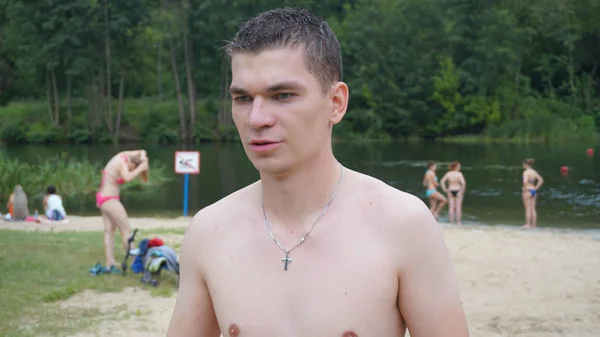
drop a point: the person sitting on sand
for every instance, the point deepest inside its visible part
(532, 181)
(18, 204)
(455, 190)
(53, 205)
(436, 199)
(123, 167)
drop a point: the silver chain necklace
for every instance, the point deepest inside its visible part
(287, 260)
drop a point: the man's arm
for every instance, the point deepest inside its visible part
(428, 298)
(193, 314)
(463, 182)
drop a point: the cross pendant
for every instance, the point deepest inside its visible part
(286, 260)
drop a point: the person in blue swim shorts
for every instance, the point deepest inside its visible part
(532, 181)
(436, 200)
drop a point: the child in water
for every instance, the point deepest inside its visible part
(53, 206)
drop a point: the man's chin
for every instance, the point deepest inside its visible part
(269, 165)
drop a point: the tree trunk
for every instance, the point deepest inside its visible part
(187, 52)
(227, 102)
(48, 97)
(182, 120)
(224, 104)
(159, 70)
(108, 80)
(121, 102)
(56, 101)
(89, 92)
(221, 113)
(517, 91)
(159, 62)
(101, 96)
(69, 111)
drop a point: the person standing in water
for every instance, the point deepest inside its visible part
(532, 181)
(436, 200)
(453, 183)
(123, 167)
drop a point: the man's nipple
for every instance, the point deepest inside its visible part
(233, 330)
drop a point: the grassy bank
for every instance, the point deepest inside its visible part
(157, 121)
(145, 119)
(41, 268)
(72, 177)
(478, 139)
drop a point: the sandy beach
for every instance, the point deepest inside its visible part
(514, 282)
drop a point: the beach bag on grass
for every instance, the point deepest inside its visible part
(152, 257)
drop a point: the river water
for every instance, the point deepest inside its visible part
(493, 174)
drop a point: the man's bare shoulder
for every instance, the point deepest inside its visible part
(217, 216)
(403, 209)
(404, 221)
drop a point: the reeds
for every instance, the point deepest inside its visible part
(71, 176)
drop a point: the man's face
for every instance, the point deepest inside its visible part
(279, 108)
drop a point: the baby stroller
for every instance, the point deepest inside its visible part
(151, 258)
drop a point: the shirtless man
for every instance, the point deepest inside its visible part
(375, 261)
(454, 185)
(436, 200)
(532, 181)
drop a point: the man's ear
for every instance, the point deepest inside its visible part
(340, 95)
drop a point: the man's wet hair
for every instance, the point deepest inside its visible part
(51, 189)
(291, 27)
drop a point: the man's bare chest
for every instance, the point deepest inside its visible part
(330, 287)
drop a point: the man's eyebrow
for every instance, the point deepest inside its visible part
(237, 91)
(289, 85)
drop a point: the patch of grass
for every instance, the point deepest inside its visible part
(59, 294)
(39, 268)
(174, 231)
(72, 177)
(61, 321)
(163, 291)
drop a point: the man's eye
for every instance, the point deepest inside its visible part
(284, 96)
(242, 98)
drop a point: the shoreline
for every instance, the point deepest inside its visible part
(94, 223)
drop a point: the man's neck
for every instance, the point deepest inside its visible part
(297, 199)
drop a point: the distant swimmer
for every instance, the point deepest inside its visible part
(532, 181)
(454, 185)
(436, 200)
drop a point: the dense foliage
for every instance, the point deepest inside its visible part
(100, 70)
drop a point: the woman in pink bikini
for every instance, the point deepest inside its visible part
(123, 167)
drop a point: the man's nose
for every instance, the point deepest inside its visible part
(260, 116)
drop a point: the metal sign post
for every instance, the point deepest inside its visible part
(186, 163)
